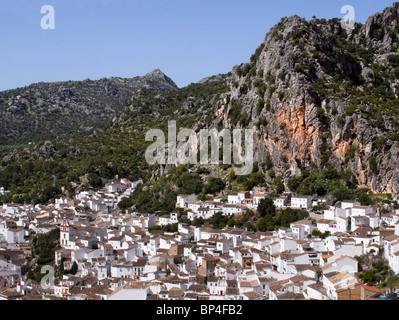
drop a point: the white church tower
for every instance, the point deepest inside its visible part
(64, 233)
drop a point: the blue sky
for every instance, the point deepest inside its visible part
(188, 40)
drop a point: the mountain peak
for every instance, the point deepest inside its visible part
(381, 30)
(159, 76)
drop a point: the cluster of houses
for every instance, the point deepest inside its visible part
(19, 222)
(122, 256)
(236, 203)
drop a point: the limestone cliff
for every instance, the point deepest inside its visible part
(317, 94)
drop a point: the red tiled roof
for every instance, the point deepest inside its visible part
(371, 288)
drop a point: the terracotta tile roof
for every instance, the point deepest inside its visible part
(252, 294)
(368, 288)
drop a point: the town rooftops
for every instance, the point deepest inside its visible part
(325, 221)
(9, 294)
(391, 237)
(252, 294)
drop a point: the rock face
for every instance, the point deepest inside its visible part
(46, 110)
(382, 29)
(297, 91)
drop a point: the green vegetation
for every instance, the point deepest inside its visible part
(161, 194)
(39, 173)
(237, 115)
(274, 219)
(218, 221)
(43, 248)
(373, 165)
(125, 203)
(377, 274)
(318, 233)
(73, 270)
(168, 228)
(44, 111)
(329, 181)
(266, 207)
(214, 185)
(255, 178)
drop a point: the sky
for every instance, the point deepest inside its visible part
(188, 40)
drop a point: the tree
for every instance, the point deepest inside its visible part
(278, 184)
(125, 203)
(214, 185)
(74, 268)
(218, 220)
(94, 180)
(62, 265)
(321, 235)
(369, 277)
(198, 222)
(266, 206)
(265, 224)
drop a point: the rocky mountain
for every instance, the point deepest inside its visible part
(44, 111)
(322, 100)
(320, 95)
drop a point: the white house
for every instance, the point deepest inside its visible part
(257, 197)
(174, 217)
(334, 282)
(8, 268)
(316, 292)
(229, 210)
(390, 219)
(361, 211)
(243, 196)
(306, 224)
(298, 231)
(121, 269)
(15, 235)
(342, 224)
(280, 202)
(303, 202)
(164, 220)
(183, 200)
(325, 225)
(3, 191)
(330, 214)
(195, 205)
(349, 204)
(137, 290)
(359, 221)
(342, 264)
(233, 198)
(391, 252)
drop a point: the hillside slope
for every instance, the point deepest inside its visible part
(43, 111)
(320, 96)
(323, 103)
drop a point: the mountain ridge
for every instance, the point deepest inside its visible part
(322, 101)
(44, 110)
